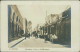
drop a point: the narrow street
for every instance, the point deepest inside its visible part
(54, 27)
(33, 42)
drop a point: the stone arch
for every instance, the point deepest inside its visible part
(16, 18)
(16, 25)
(13, 24)
(13, 16)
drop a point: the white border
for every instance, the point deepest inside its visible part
(74, 23)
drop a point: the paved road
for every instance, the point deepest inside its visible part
(33, 42)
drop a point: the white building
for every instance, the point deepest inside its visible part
(25, 25)
(29, 27)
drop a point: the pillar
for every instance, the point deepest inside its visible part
(47, 29)
(50, 30)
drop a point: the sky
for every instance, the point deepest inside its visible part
(37, 13)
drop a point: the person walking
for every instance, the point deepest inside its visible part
(25, 36)
(36, 34)
(45, 36)
(51, 37)
(29, 35)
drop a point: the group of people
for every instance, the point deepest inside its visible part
(27, 35)
(36, 35)
(50, 37)
(53, 37)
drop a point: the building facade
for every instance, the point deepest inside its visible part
(25, 26)
(29, 27)
(51, 20)
(15, 23)
(64, 27)
(60, 25)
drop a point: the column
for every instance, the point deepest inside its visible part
(47, 29)
(50, 30)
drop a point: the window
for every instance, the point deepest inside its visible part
(13, 17)
(16, 18)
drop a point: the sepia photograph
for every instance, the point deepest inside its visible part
(44, 26)
(39, 26)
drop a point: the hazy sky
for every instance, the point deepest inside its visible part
(37, 13)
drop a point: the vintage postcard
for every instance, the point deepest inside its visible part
(39, 26)
(53, 28)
